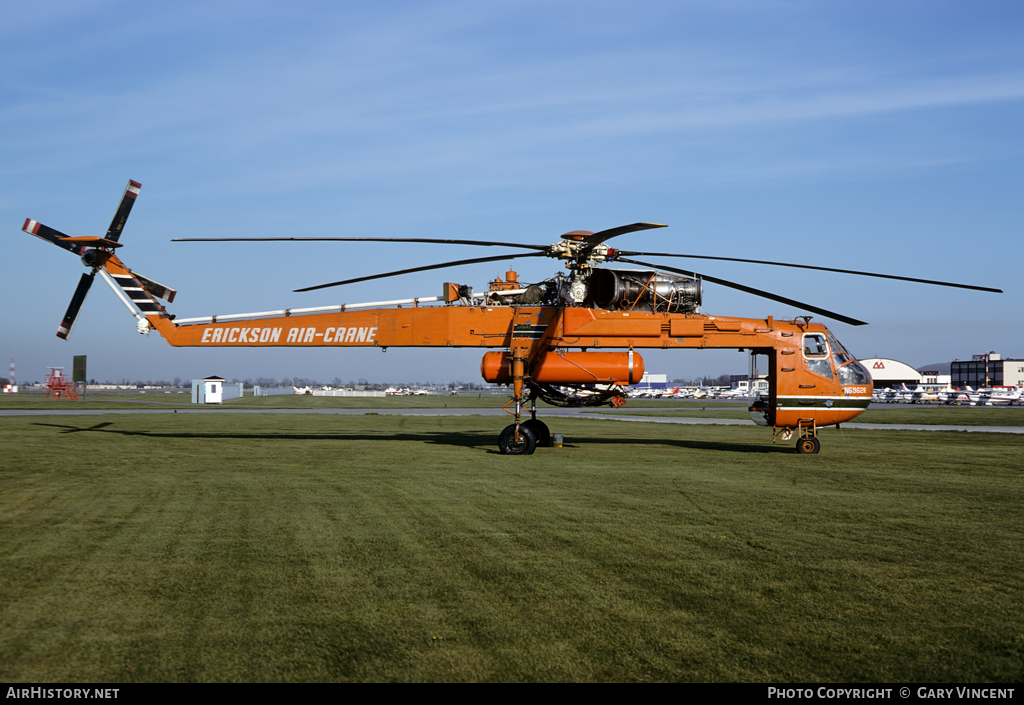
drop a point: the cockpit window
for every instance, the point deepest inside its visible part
(850, 371)
(814, 345)
(816, 355)
(835, 344)
(839, 355)
(854, 373)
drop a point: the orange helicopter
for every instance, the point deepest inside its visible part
(540, 337)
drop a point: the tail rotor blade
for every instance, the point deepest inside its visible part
(123, 209)
(76, 305)
(55, 237)
(156, 288)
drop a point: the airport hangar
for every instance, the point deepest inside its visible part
(985, 370)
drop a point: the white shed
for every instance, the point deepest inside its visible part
(209, 390)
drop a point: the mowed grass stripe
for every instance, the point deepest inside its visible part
(183, 548)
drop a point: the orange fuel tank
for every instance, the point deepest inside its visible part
(569, 368)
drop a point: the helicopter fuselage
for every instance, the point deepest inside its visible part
(809, 383)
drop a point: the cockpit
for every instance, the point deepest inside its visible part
(817, 347)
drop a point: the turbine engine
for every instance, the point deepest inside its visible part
(635, 289)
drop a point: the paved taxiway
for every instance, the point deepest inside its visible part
(545, 413)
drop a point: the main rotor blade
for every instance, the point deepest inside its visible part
(76, 305)
(755, 292)
(601, 236)
(55, 237)
(123, 209)
(422, 269)
(822, 269)
(595, 239)
(483, 243)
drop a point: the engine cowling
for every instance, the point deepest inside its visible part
(569, 368)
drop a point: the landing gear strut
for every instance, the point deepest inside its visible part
(517, 439)
(807, 442)
(533, 433)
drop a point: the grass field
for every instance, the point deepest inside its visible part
(171, 547)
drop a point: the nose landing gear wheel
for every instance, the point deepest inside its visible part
(809, 446)
(507, 441)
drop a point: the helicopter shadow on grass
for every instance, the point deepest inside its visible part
(450, 438)
(483, 439)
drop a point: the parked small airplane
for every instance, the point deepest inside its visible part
(994, 397)
(918, 394)
(737, 393)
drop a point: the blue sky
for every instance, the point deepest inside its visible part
(875, 136)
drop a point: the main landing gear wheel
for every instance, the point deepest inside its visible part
(540, 432)
(808, 446)
(507, 443)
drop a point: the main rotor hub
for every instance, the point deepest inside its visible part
(579, 254)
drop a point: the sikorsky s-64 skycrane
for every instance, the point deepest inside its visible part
(541, 338)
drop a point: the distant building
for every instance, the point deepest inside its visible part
(209, 390)
(743, 385)
(987, 370)
(934, 378)
(652, 381)
(891, 373)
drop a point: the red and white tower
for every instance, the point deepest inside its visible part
(59, 386)
(11, 387)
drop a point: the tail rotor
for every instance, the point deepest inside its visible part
(139, 293)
